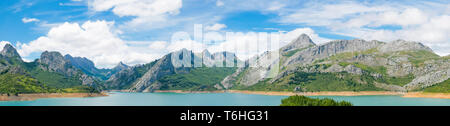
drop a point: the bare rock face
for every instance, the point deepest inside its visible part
(432, 73)
(17, 70)
(122, 79)
(9, 57)
(397, 58)
(303, 41)
(162, 68)
(402, 45)
(308, 56)
(83, 64)
(267, 65)
(334, 47)
(353, 69)
(55, 62)
(261, 67)
(179, 62)
(10, 52)
(229, 80)
(121, 66)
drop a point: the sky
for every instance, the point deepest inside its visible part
(140, 31)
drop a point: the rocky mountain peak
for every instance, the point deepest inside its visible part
(79, 61)
(54, 62)
(402, 45)
(49, 57)
(83, 64)
(10, 51)
(121, 66)
(206, 52)
(303, 41)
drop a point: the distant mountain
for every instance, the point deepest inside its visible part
(51, 73)
(88, 67)
(347, 65)
(83, 64)
(339, 65)
(56, 63)
(301, 42)
(121, 66)
(163, 74)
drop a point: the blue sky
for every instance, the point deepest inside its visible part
(138, 31)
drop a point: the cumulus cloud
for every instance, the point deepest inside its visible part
(215, 27)
(96, 40)
(247, 45)
(29, 20)
(427, 24)
(92, 39)
(219, 3)
(147, 13)
(158, 45)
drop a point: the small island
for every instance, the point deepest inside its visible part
(298, 100)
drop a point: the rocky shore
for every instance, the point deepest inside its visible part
(31, 97)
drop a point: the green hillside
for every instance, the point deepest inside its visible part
(443, 87)
(199, 79)
(20, 84)
(315, 82)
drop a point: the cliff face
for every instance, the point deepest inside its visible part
(10, 52)
(147, 82)
(413, 62)
(123, 79)
(83, 64)
(50, 73)
(88, 67)
(396, 66)
(55, 62)
(303, 41)
(9, 57)
(146, 78)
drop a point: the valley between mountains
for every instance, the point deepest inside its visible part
(357, 66)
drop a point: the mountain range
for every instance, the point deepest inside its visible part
(302, 66)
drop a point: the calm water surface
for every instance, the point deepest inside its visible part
(216, 99)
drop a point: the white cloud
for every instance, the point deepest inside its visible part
(274, 6)
(427, 23)
(94, 40)
(188, 44)
(147, 13)
(245, 45)
(158, 45)
(97, 41)
(219, 3)
(28, 20)
(215, 27)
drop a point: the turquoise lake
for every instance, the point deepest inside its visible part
(216, 99)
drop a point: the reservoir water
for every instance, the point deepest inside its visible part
(216, 99)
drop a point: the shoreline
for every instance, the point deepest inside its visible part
(186, 92)
(32, 97)
(324, 93)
